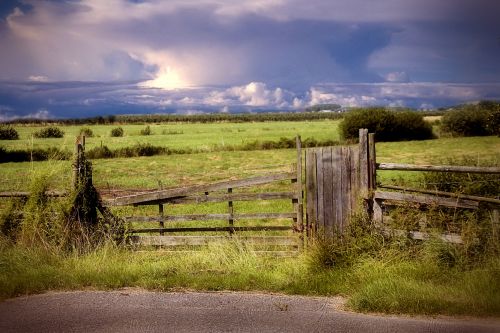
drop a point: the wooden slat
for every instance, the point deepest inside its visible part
(20, 194)
(189, 190)
(420, 235)
(442, 193)
(228, 197)
(320, 217)
(204, 240)
(427, 199)
(372, 161)
(299, 207)
(441, 168)
(354, 178)
(363, 162)
(329, 178)
(206, 217)
(346, 186)
(311, 191)
(216, 229)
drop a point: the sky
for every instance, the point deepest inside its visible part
(83, 58)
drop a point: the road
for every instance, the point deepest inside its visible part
(142, 311)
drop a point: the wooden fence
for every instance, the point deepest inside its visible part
(339, 178)
(219, 192)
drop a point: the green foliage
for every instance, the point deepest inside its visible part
(8, 132)
(146, 130)
(49, 132)
(11, 217)
(321, 107)
(117, 132)
(37, 154)
(471, 183)
(87, 131)
(387, 125)
(473, 120)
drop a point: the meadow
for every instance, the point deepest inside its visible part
(400, 277)
(196, 136)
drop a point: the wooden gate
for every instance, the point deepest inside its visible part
(161, 231)
(336, 180)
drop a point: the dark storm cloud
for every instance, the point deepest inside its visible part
(287, 54)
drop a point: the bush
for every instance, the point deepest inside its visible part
(87, 132)
(117, 132)
(99, 152)
(8, 133)
(471, 120)
(49, 132)
(146, 130)
(387, 125)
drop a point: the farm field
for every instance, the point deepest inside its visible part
(176, 170)
(179, 135)
(379, 283)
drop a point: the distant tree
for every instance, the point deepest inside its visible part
(8, 132)
(49, 132)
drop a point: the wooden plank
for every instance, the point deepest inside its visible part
(372, 161)
(378, 216)
(20, 194)
(300, 209)
(329, 199)
(427, 199)
(440, 168)
(346, 187)
(205, 240)
(215, 229)
(311, 192)
(272, 253)
(442, 193)
(420, 235)
(354, 178)
(227, 197)
(230, 211)
(336, 189)
(363, 162)
(206, 217)
(320, 217)
(185, 191)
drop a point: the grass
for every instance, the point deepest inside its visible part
(390, 284)
(181, 135)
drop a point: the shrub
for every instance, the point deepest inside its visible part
(87, 132)
(471, 120)
(49, 132)
(146, 130)
(99, 152)
(117, 132)
(8, 133)
(387, 125)
(493, 123)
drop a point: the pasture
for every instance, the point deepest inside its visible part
(179, 135)
(400, 278)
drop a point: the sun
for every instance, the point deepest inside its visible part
(167, 78)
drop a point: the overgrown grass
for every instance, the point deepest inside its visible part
(391, 284)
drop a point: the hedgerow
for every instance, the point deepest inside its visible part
(387, 125)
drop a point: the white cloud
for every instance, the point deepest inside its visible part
(38, 78)
(397, 77)
(255, 94)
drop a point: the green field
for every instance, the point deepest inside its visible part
(400, 278)
(180, 135)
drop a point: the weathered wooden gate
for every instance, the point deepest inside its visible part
(223, 191)
(336, 179)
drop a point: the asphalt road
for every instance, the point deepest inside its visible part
(141, 311)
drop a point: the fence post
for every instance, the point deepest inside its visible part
(300, 202)
(231, 212)
(372, 159)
